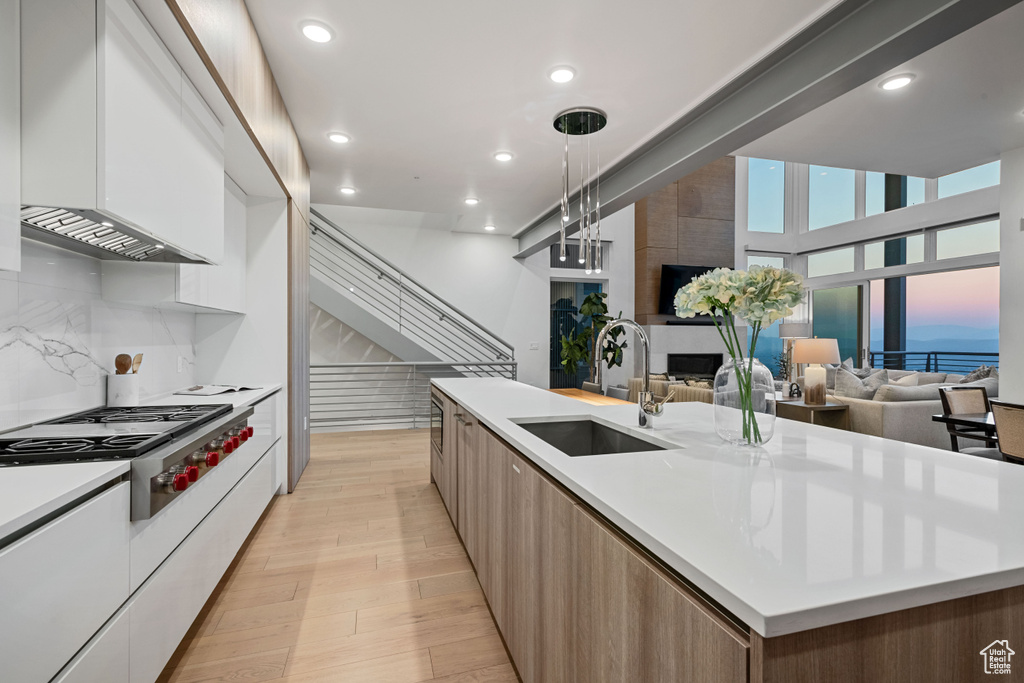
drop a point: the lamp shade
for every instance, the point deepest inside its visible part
(794, 330)
(815, 351)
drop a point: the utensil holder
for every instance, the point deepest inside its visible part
(123, 391)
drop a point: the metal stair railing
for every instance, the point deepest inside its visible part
(398, 300)
(345, 396)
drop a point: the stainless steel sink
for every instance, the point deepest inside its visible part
(586, 437)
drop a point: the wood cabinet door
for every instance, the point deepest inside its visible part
(540, 582)
(488, 521)
(632, 624)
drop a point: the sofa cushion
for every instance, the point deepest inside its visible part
(900, 374)
(909, 380)
(991, 385)
(930, 378)
(897, 392)
(954, 379)
(850, 385)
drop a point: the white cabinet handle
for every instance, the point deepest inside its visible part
(516, 469)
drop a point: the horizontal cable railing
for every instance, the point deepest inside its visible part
(957, 362)
(398, 300)
(383, 395)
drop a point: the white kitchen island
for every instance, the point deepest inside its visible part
(819, 546)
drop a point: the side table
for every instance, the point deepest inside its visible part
(832, 414)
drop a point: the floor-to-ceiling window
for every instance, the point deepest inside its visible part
(950, 317)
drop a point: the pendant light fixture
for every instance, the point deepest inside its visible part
(578, 122)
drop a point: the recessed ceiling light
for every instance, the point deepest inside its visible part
(896, 82)
(562, 74)
(503, 156)
(472, 201)
(340, 138)
(348, 190)
(489, 228)
(317, 32)
(107, 224)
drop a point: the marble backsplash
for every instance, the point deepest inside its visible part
(58, 338)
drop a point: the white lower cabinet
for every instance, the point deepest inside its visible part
(60, 584)
(163, 609)
(105, 658)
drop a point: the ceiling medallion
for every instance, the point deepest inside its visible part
(583, 121)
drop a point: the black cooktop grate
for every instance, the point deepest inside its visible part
(41, 451)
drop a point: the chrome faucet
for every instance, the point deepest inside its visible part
(649, 408)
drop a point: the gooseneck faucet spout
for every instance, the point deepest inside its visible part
(649, 408)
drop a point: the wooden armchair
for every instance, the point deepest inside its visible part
(1009, 418)
(960, 401)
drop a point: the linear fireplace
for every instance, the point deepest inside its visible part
(702, 365)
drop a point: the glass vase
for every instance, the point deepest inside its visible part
(744, 402)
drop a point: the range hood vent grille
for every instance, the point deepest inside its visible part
(95, 235)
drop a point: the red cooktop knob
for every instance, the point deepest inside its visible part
(212, 458)
(235, 441)
(244, 436)
(249, 431)
(192, 472)
(180, 482)
(228, 446)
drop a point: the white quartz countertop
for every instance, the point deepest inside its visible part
(237, 398)
(28, 494)
(817, 527)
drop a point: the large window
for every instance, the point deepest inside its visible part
(830, 262)
(766, 195)
(831, 196)
(874, 252)
(947, 313)
(837, 315)
(874, 192)
(967, 240)
(971, 179)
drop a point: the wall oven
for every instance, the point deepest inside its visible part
(437, 423)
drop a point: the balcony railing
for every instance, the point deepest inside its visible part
(383, 395)
(958, 362)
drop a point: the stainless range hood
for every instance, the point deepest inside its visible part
(94, 234)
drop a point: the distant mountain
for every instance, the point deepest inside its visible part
(925, 332)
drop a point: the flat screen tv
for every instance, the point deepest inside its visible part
(674, 277)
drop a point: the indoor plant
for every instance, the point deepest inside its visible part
(758, 296)
(580, 348)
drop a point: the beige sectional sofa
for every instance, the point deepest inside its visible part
(905, 413)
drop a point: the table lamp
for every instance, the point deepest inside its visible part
(814, 352)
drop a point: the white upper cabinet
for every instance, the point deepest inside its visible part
(10, 137)
(112, 124)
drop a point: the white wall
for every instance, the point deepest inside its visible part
(253, 348)
(332, 341)
(58, 339)
(1011, 276)
(477, 274)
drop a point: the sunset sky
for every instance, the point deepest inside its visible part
(967, 298)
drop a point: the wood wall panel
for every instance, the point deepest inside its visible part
(298, 344)
(710, 192)
(690, 222)
(225, 38)
(223, 33)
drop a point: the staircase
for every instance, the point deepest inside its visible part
(434, 339)
(360, 287)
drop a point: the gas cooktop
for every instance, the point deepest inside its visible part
(103, 433)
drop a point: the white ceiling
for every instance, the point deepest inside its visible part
(433, 89)
(963, 109)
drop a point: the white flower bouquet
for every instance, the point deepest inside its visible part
(758, 296)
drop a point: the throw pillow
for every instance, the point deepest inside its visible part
(830, 372)
(849, 385)
(863, 372)
(905, 381)
(981, 373)
(896, 392)
(899, 374)
(662, 377)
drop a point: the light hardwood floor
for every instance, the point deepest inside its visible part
(356, 576)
